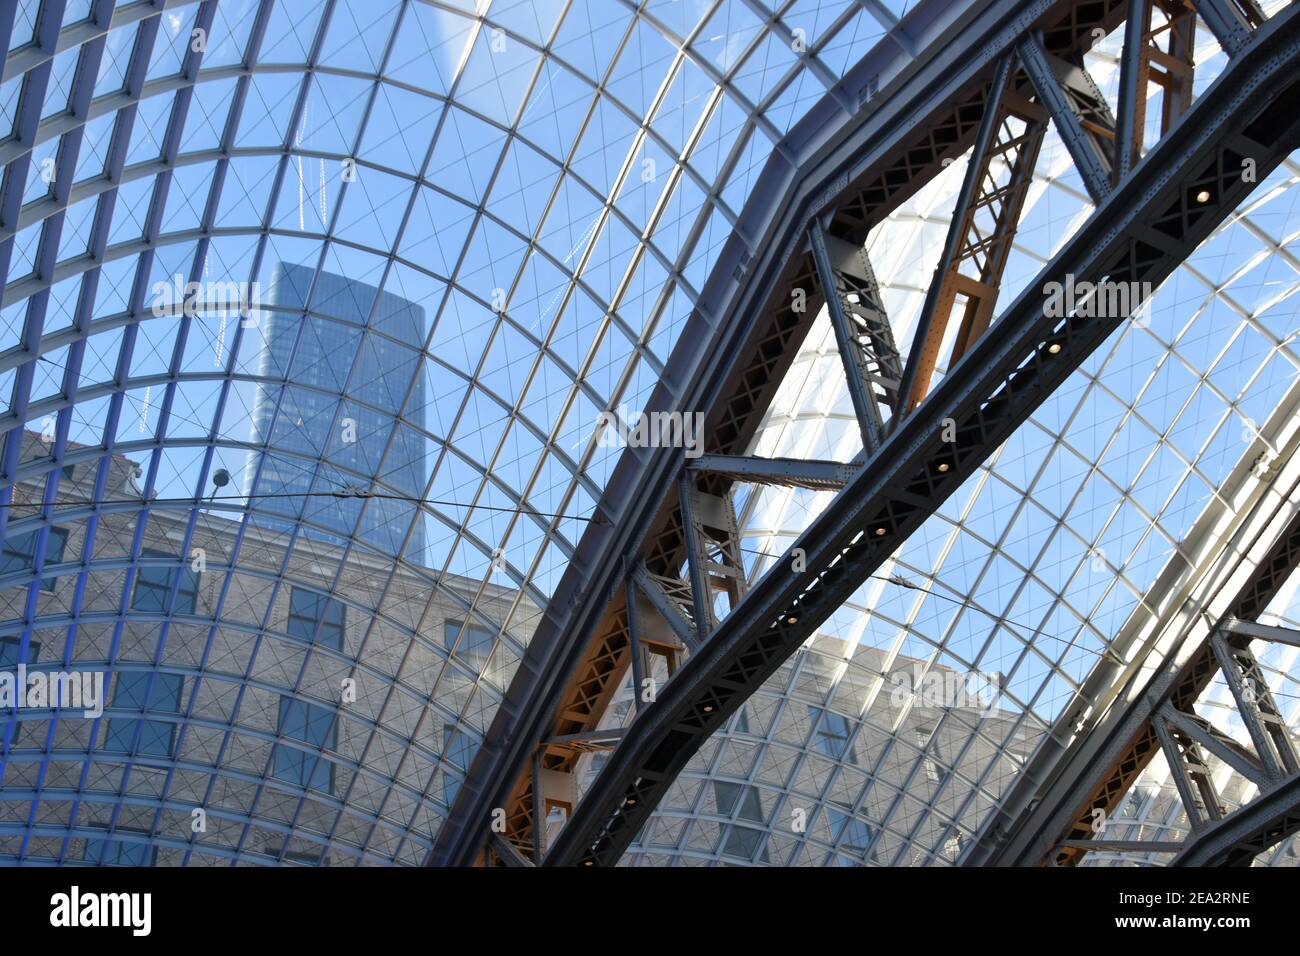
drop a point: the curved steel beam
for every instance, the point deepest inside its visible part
(911, 115)
(1184, 189)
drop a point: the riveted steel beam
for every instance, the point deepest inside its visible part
(1188, 185)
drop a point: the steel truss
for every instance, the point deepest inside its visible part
(1242, 548)
(1164, 719)
(920, 443)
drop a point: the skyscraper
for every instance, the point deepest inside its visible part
(345, 352)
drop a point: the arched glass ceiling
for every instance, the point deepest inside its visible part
(465, 229)
(1025, 576)
(1152, 811)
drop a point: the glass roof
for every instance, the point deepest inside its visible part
(1025, 576)
(321, 303)
(1151, 809)
(309, 313)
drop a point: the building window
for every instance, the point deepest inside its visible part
(109, 851)
(314, 726)
(475, 643)
(298, 857)
(316, 618)
(741, 724)
(154, 584)
(728, 795)
(853, 834)
(833, 734)
(11, 647)
(20, 553)
(131, 691)
(932, 771)
(743, 841)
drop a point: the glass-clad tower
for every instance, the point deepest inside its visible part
(333, 423)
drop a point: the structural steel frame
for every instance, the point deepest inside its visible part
(1059, 828)
(1144, 226)
(721, 349)
(1052, 816)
